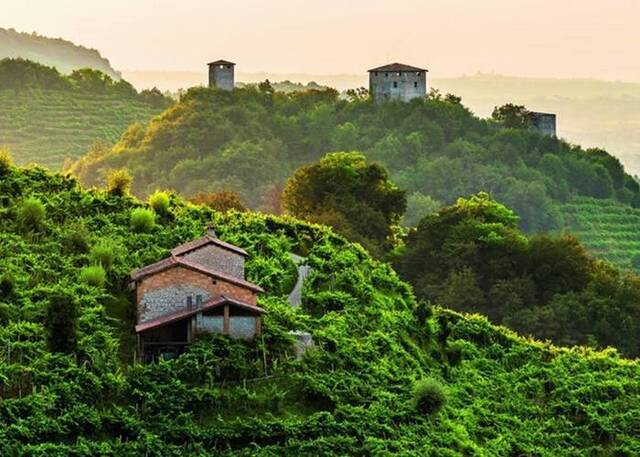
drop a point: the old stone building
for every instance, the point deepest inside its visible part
(544, 123)
(397, 81)
(199, 288)
(221, 74)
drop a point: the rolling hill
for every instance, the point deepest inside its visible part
(48, 118)
(61, 54)
(353, 394)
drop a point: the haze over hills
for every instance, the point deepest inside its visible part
(56, 52)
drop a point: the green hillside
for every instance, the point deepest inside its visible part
(356, 393)
(607, 228)
(47, 118)
(64, 55)
(251, 139)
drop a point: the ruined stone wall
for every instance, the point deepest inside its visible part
(218, 259)
(166, 292)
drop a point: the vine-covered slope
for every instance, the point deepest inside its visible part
(606, 227)
(351, 395)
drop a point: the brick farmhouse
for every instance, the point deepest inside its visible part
(199, 288)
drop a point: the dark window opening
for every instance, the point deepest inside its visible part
(189, 301)
(198, 299)
(395, 84)
(415, 84)
(386, 75)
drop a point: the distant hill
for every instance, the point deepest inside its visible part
(48, 118)
(64, 55)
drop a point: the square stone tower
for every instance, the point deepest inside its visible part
(221, 74)
(544, 123)
(397, 81)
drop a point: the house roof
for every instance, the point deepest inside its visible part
(175, 261)
(205, 240)
(397, 67)
(186, 313)
(221, 62)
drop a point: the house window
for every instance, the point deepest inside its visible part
(376, 73)
(386, 75)
(198, 300)
(415, 84)
(395, 84)
(189, 301)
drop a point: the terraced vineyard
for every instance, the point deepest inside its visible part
(49, 126)
(609, 229)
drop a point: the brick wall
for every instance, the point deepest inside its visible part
(167, 291)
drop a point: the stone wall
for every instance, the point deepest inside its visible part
(242, 327)
(393, 85)
(221, 76)
(219, 259)
(166, 292)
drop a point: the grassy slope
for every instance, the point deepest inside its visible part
(351, 396)
(48, 127)
(610, 229)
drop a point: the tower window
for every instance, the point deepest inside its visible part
(386, 75)
(415, 84)
(395, 84)
(376, 73)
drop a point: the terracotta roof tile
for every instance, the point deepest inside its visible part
(207, 239)
(397, 67)
(174, 261)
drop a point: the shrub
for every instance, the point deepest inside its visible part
(31, 214)
(61, 322)
(5, 161)
(76, 238)
(94, 275)
(103, 254)
(7, 285)
(119, 182)
(159, 201)
(428, 396)
(142, 220)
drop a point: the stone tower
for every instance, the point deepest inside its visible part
(397, 81)
(221, 74)
(544, 123)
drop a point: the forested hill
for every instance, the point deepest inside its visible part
(250, 140)
(387, 376)
(64, 55)
(47, 117)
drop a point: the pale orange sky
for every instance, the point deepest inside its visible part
(550, 38)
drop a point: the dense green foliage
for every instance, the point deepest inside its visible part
(64, 55)
(607, 228)
(472, 257)
(351, 395)
(344, 192)
(250, 141)
(46, 117)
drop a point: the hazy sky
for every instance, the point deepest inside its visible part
(585, 38)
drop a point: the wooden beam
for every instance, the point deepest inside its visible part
(258, 325)
(225, 324)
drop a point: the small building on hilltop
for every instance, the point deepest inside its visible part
(221, 74)
(397, 81)
(544, 123)
(199, 288)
